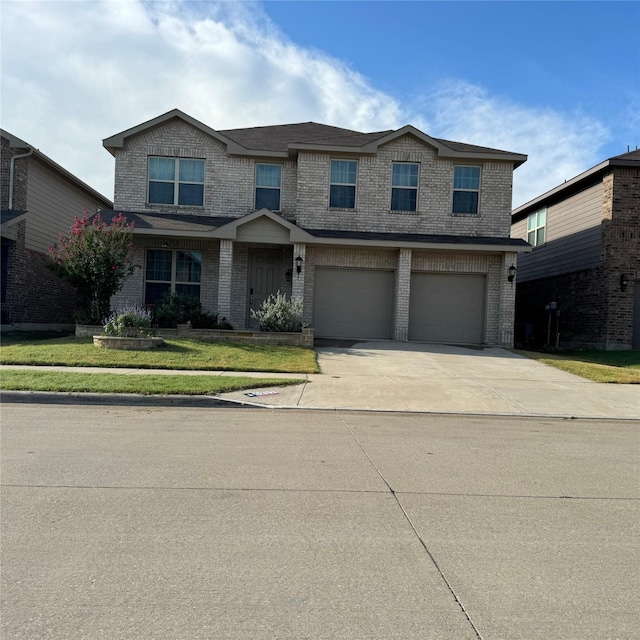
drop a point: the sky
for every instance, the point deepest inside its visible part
(557, 81)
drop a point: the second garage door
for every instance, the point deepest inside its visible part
(353, 303)
(447, 307)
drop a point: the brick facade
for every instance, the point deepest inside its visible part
(230, 189)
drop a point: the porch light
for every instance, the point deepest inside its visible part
(288, 275)
(512, 273)
(624, 281)
(299, 264)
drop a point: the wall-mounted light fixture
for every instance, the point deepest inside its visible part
(288, 275)
(512, 273)
(165, 245)
(624, 281)
(299, 264)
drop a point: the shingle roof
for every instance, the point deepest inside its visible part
(630, 155)
(416, 237)
(171, 221)
(278, 137)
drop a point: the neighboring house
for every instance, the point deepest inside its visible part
(39, 199)
(386, 235)
(581, 281)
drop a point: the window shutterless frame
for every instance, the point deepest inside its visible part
(343, 176)
(466, 190)
(173, 270)
(175, 181)
(537, 227)
(404, 186)
(268, 186)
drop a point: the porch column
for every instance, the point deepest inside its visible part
(298, 279)
(403, 290)
(225, 269)
(506, 313)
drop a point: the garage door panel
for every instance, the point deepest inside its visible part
(447, 307)
(353, 303)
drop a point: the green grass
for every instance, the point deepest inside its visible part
(178, 353)
(621, 367)
(20, 380)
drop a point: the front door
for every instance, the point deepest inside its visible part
(265, 268)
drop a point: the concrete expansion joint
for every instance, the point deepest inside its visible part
(415, 531)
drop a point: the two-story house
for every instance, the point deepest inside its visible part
(385, 235)
(39, 200)
(580, 285)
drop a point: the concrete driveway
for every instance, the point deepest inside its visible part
(393, 376)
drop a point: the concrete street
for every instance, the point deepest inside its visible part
(186, 523)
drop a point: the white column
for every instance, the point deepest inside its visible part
(403, 291)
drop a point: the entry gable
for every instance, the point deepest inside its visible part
(262, 226)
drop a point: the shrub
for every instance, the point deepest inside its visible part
(278, 313)
(93, 258)
(128, 321)
(176, 308)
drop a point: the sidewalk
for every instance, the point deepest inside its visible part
(431, 378)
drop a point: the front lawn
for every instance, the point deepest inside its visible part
(622, 367)
(178, 353)
(193, 385)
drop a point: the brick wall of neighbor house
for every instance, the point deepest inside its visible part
(621, 251)
(581, 300)
(20, 175)
(435, 194)
(35, 294)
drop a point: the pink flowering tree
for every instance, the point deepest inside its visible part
(93, 257)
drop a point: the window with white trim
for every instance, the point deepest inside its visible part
(342, 184)
(466, 190)
(268, 185)
(172, 270)
(536, 227)
(176, 181)
(404, 186)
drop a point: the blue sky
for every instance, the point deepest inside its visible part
(559, 81)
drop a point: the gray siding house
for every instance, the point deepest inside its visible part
(39, 199)
(385, 235)
(580, 285)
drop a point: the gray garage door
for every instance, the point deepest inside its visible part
(447, 307)
(353, 303)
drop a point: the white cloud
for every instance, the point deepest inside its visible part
(74, 73)
(559, 146)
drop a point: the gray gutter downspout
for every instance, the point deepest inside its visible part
(11, 172)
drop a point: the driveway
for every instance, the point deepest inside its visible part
(393, 376)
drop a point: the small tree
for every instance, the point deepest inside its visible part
(93, 258)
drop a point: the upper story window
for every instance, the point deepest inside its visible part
(466, 189)
(342, 184)
(172, 270)
(177, 181)
(404, 186)
(536, 227)
(268, 185)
